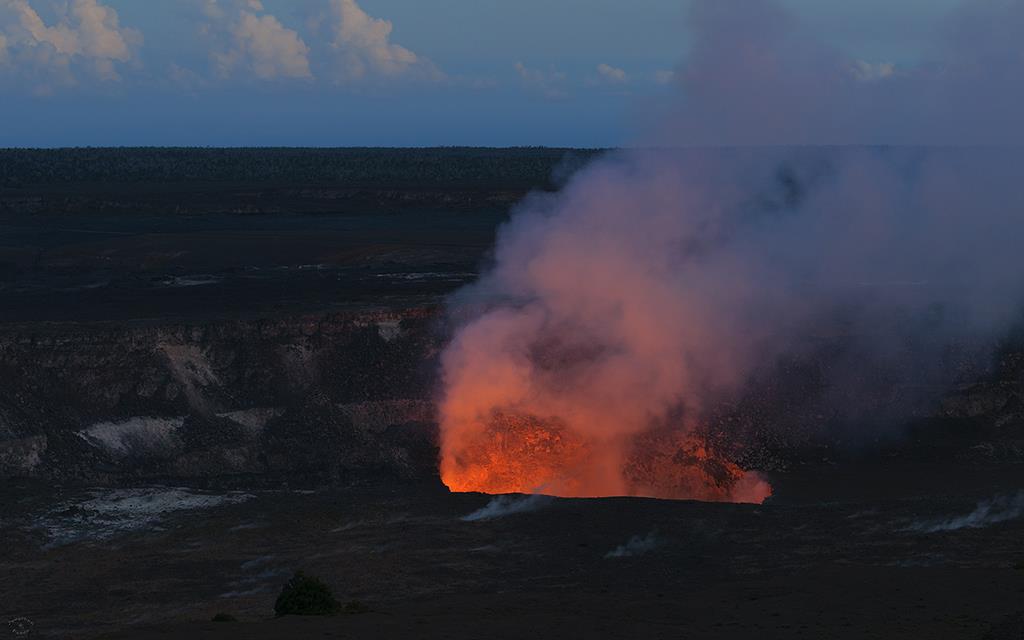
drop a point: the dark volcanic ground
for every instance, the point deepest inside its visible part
(826, 558)
(193, 407)
(121, 267)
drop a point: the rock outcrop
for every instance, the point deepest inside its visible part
(349, 397)
(335, 397)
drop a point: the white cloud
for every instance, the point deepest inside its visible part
(253, 43)
(86, 37)
(345, 44)
(184, 78)
(868, 72)
(612, 74)
(664, 76)
(360, 47)
(268, 48)
(99, 33)
(551, 83)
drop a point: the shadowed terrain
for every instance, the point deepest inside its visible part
(193, 406)
(834, 561)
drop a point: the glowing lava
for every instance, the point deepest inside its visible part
(517, 454)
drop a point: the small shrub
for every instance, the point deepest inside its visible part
(224, 617)
(306, 596)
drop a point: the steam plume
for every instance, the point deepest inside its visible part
(620, 314)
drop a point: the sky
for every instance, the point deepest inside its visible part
(377, 72)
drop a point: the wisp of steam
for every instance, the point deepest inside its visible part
(988, 512)
(502, 506)
(757, 218)
(636, 546)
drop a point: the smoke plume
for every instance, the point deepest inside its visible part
(660, 285)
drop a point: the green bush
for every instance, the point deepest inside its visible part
(306, 596)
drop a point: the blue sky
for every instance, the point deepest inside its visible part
(373, 72)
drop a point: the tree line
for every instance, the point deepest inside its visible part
(457, 167)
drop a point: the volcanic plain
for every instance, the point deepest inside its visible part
(215, 377)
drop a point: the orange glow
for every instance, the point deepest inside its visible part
(516, 454)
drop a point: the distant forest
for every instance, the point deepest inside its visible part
(274, 180)
(365, 167)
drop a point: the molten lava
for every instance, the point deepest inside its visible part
(521, 454)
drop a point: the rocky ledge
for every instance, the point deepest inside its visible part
(349, 397)
(324, 398)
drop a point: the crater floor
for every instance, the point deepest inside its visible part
(916, 552)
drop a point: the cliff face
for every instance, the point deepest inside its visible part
(990, 411)
(321, 398)
(347, 397)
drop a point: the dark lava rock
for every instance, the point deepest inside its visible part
(323, 398)
(1009, 628)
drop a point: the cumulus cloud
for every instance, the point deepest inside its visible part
(86, 37)
(612, 74)
(256, 44)
(359, 47)
(664, 76)
(550, 83)
(868, 72)
(342, 44)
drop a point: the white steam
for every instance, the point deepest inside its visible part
(502, 506)
(636, 546)
(660, 285)
(989, 512)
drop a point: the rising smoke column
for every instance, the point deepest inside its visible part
(659, 284)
